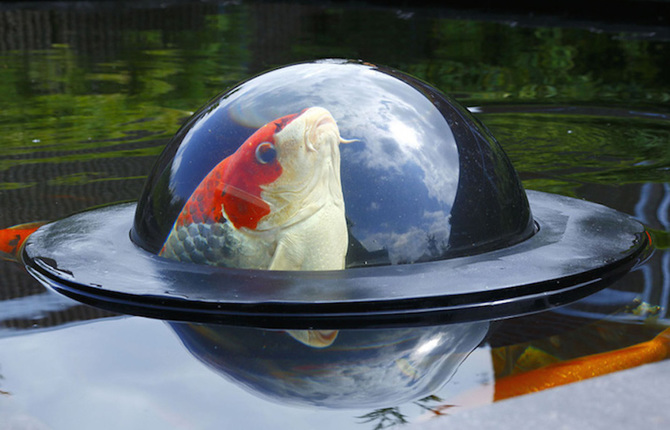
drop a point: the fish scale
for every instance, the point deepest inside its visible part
(215, 244)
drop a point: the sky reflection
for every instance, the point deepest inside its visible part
(399, 174)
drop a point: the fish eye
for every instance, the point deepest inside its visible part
(266, 153)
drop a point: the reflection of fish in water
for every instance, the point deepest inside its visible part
(276, 203)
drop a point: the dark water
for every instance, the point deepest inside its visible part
(89, 95)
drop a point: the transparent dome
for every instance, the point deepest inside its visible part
(361, 369)
(330, 165)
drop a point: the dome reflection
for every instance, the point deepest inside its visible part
(360, 368)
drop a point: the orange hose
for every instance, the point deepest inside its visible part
(582, 368)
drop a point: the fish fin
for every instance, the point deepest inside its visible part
(314, 338)
(285, 256)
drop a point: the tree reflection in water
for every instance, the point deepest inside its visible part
(389, 417)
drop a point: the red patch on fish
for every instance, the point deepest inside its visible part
(234, 185)
(12, 238)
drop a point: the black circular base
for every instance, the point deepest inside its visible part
(580, 248)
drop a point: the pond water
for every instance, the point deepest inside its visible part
(90, 95)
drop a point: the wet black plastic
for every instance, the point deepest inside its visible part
(580, 248)
(422, 181)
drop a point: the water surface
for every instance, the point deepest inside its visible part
(90, 95)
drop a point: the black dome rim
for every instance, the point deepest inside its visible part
(444, 307)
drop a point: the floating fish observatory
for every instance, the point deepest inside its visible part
(335, 194)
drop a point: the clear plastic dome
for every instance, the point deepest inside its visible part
(361, 369)
(329, 165)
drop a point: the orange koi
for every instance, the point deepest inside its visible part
(13, 238)
(582, 368)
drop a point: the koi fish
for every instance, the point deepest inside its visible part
(276, 203)
(582, 368)
(13, 238)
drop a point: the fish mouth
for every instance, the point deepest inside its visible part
(320, 121)
(325, 120)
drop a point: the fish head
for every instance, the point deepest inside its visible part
(286, 165)
(309, 156)
(307, 145)
(231, 191)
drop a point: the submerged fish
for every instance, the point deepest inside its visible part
(314, 338)
(13, 238)
(276, 203)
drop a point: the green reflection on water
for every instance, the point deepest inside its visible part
(124, 95)
(117, 85)
(63, 104)
(498, 63)
(660, 238)
(582, 148)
